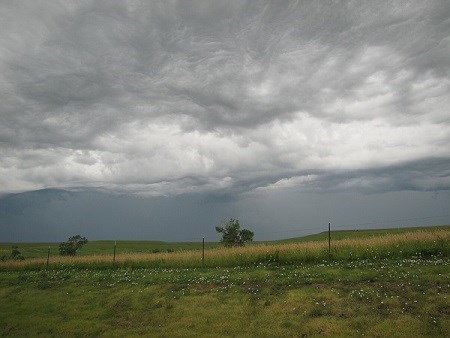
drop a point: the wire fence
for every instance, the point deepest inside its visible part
(294, 231)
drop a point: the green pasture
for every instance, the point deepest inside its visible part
(375, 283)
(347, 234)
(374, 298)
(36, 250)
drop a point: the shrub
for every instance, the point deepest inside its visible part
(70, 247)
(15, 253)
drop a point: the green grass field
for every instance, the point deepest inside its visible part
(346, 234)
(36, 250)
(391, 284)
(40, 250)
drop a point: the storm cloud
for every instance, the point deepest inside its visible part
(156, 119)
(174, 97)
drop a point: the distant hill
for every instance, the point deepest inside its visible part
(105, 247)
(343, 234)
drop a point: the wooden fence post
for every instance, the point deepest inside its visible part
(329, 240)
(48, 256)
(203, 253)
(114, 255)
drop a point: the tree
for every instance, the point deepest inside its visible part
(70, 247)
(15, 253)
(232, 234)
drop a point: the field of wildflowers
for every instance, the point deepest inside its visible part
(382, 297)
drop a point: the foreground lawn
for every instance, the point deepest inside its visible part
(401, 297)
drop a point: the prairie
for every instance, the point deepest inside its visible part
(420, 241)
(394, 284)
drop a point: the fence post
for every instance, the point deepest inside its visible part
(114, 256)
(203, 253)
(48, 256)
(329, 240)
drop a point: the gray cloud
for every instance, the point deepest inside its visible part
(54, 215)
(166, 98)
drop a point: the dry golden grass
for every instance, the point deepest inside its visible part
(246, 255)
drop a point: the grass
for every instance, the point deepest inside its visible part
(393, 284)
(40, 250)
(391, 297)
(404, 244)
(348, 234)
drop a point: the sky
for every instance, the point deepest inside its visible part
(158, 119)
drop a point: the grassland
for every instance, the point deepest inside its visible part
(39, 250)
(395, 284)
(96, 248)
(396, 245)
(349, 234)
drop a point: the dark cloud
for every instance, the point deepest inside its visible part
(165, 98)
(425, 175)
(54, 215)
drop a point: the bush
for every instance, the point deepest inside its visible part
(15, 253)
(70, 247)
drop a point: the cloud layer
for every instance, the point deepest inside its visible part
(164, 98)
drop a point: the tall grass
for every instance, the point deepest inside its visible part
(416, 243)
